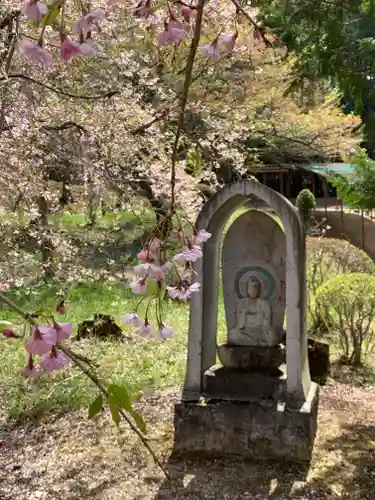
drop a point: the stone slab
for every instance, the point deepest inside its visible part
(248, 430)
(230, 384)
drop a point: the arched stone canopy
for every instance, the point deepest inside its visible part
(204, 305)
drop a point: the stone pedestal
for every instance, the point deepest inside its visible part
(251, 357)
(262, 430)
(229, 384)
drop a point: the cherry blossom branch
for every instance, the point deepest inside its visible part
(109, 94)
(77, 360)
(185, 93)
(145, 126)
(255, 25)
(72, 355)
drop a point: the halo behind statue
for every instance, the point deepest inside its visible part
(268, 284)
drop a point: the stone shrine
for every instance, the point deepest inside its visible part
(259, 401)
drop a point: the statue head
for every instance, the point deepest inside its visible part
(253, 288)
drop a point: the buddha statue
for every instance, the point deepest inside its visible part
(253, 319)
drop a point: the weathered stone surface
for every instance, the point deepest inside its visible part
(250, 357)
(254, 255)
(254, 431)
(236, 385)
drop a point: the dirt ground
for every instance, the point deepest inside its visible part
(71, 458)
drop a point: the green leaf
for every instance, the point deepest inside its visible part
(96, 406)
(51, 16)
(122, 396)
(114, 407)
(138, 419)
(123, 399)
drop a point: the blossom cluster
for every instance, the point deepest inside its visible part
(82, 29)
(158, 277)
(171, 29)
(43, 341)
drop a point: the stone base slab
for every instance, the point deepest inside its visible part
(250, 430)
(229, 384)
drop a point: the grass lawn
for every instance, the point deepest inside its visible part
(144, 365)
(141, 364)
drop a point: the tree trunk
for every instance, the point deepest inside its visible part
(356, 357)
(160, 207)
(66, 195)
(47, 257)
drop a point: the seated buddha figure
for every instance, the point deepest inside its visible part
(253, 319)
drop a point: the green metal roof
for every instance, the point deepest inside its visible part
(331, 168)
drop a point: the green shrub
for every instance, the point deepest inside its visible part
(306, 205)
(329, 257)
(326, 258)
(346, 304)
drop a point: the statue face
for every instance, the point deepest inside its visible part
(253, 288)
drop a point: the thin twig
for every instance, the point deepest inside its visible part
(21, 76)
(255, 25)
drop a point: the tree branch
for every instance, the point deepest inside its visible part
(21, 76)
(65, 126)
(255, 25)
(185, 93)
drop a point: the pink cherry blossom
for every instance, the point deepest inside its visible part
(186, 12)
(154, 245)
(156, 273)
(183, 292)
(145, 330)
(35, 53)
(174, 32)
(34, 10)
(63, 331)
(139, 286)
(85, 24)
(54, 360)
(132, 318)
(41, 339)
(69, 49)
(87, 49)
(144, 255)
(211, 50)
(229, 41)
(189, 254)
(30, 371)
(142, 270)
(165, 332)
(201, 237)
(151, 270)
(9, 333)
